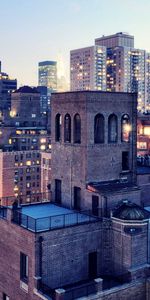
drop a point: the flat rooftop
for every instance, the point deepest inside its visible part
(48, 216)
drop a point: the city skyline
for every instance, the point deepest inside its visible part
(42, 30)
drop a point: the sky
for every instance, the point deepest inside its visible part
(38, 30)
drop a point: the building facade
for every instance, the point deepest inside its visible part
(7, 86)
(88, 68)
(89, 125)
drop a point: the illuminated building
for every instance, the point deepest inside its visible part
(47, 77)
(128, 68)
(20, 174)
(88, 68)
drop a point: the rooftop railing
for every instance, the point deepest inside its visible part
(52, 222)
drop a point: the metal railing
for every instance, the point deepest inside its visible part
(52, 222)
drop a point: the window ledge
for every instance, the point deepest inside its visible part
(24, 286)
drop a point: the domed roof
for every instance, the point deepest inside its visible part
(130, 211)
(26, 89)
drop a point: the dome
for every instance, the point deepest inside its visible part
(26, 89)
(130, 211)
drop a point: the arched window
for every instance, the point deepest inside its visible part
(67, 128)
(99, 129)
(112, 129)
(125, 128)
(58, 128)
(77, 129)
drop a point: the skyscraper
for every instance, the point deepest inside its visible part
(127, 67)
(113, 64)
(88, 68)
(47, 77)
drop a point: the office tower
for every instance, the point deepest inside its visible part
(7, 86)
(47, 77)
(88, 68)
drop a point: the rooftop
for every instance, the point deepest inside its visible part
(48, 216)
(27, 90)
(110, 186)
(130, 211)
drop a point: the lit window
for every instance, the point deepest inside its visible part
(33, 115)
(28, 162)
(43, 147)
(43, 140)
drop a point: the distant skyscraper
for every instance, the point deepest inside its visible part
(88, 68)
(7, 86)
(47, 76)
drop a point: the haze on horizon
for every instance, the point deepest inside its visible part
(37, 30)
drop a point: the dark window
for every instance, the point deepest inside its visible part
(67, 128)
(16, 158)
(112, 129)
(77, 129)
(99, 129)
(23, 267)
(125, 128)
(5, 297)
(95, 202)
(93, 265)
(58, 128)
(58, 190)
(77, 197)
(125, 160)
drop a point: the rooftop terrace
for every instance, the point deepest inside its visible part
(46, 216)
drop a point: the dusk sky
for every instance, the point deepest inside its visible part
(37, 30)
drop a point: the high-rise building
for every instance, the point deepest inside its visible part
(88, 68)
(47, 77)
(7, 86)
(119, 39)
(127, 67)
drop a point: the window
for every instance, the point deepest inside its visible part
(77, 129)
(99, 129)
(58, 190)
(23, 267)
(5, 297)
(67, 128)
(125, 128)
(112, 129)
(125, 161)
(58, 128)
(77, 197)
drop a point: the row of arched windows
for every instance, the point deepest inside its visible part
(99, 128)
(67, 128)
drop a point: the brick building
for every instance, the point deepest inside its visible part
(20, 174)
(93, 132)
(92, 240)
(45, 172)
